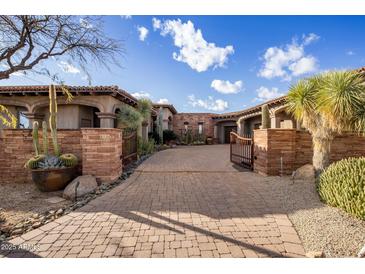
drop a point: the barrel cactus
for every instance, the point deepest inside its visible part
(33, 162)
(69, 160)
(342, 185)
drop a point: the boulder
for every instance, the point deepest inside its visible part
(304, 173)
(79, 187)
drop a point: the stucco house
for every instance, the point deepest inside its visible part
(91, 107)
(96, 107)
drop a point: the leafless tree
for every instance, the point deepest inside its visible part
(26, 41)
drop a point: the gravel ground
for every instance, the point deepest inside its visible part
(20, 201)
(320, 227)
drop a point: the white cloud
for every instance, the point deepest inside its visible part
(265, 94)
(126, 16)
(226, 87)
(303, 65)
(194, 49)
(310, 38)
(68, 68)
(143, 32)
(141, 94)
(290, 60)
(209, 104)
(350, 53)
(163, 101)
(156, 23)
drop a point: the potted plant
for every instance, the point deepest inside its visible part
(51, 172)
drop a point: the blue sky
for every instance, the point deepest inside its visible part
(218, 63)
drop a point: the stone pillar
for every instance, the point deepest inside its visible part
(215, 133)
(32, 117)
(106, 119)
(241, 127)
(275, 121)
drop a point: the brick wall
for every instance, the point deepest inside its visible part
(16, 147)
(101, 152)
(284, 150)
(194, 119)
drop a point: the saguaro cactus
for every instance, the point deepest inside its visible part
(265, 117)
(35, 137)
(45, 137)
(53, 119)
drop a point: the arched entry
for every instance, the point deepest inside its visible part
(223, 130)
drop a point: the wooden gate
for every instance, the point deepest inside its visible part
(241, 150)
(129, 149)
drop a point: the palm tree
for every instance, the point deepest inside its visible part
(326, 105)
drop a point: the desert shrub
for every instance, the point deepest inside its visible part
(169, 135)
(342, 185)
(145, 147)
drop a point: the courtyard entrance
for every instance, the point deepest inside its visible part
(189, 201)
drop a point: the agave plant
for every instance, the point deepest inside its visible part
(328, 104)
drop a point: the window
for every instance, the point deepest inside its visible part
(186, 124)
(23, 121)
(200, 128)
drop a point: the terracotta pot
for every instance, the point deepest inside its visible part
(53, 179)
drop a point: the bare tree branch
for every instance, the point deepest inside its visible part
(25, 41)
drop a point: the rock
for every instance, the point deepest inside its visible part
(59, 212)
(79, 187)
(314, 254)
(51, 212)
(361, 253)
(304, 173)
(35, 216)
(36, 224)
(20, 225)
(17, 231)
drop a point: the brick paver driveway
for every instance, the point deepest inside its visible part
(184, 202)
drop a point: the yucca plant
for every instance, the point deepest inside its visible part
(144, 108)
(328, 104)
(129, 117)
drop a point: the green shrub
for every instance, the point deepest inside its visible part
(169, 135)
(154, 135)
(145, 147)
(342, 185)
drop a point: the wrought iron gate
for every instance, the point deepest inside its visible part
(241, 150)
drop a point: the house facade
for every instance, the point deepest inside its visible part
(97, 106)
(91, 107)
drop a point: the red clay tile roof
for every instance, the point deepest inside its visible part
(276, 101)
(169, 106)
(114, 91)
